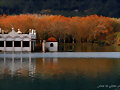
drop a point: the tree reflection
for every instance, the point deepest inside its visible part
(51, 67)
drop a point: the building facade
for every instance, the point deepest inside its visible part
(51, 44)
(16, 41)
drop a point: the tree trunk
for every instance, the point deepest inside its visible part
(64, 47)
(40, 41)
(73, 47)
(64, 40)
(73, 40)
(59, 40)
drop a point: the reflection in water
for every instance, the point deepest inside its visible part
(88, 47)
(23, 66)
(48, 67)
(76, 67)
(57, 73)
(17, 66)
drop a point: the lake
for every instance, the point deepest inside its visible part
(88, 47)
(46, 73)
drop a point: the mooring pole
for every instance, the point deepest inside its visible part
(43, 46)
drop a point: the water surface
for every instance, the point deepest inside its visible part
(59, 73)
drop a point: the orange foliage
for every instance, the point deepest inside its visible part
(80, 28)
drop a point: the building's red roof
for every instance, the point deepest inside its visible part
(51, 39)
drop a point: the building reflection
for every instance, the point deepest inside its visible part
(50, 60)
(24, 66)
(50, 67)
(16, 66)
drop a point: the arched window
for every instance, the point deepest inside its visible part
(9, 40)
(17, 41)
(51, 45)
(26, 41)
(1, 41)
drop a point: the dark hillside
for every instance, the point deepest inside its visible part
(110, 8)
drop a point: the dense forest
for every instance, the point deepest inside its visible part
(109, 8)
(90, 29)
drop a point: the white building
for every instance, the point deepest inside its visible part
(16, 41)
(51, 45)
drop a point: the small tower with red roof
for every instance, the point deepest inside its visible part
(51, 44)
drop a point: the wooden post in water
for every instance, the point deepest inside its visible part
(43, 45)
